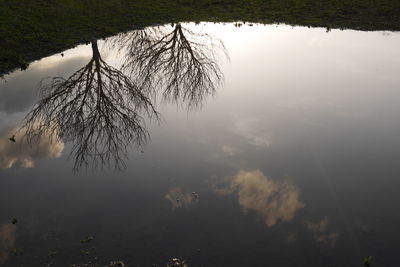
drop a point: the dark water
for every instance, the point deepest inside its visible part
(293, 160)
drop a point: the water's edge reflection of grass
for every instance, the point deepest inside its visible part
(31, 30)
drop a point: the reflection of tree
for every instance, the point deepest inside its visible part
(98, 109)
(101, 110)
(181, 62)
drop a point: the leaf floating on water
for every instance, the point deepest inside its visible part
(176, 262)
(14, 220)
(368, 261)
(84, 252)
(17, 251)
(52, 253)
(195, 196)
(87, 239)
(116, 264)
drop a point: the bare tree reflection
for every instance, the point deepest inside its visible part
(180, 62)
(98, 109)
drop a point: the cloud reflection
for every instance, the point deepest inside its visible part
(274, 200)
(7, 240)
(25, 154)
(230, 150)
(253, 131)
(321, 233)
(179, 198)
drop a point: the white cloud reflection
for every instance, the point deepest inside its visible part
(252, 130)
(230, 150)
(7, 240)
(273, 200)
(25, 154)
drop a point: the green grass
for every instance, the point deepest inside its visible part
(31, 29)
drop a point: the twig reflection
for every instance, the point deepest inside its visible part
(98, 109)
(179, 62)
(101, 110)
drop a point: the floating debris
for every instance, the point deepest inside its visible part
(84, 252)
(368, 261)
(87, 239)
(14, 220)
(12, 138)
(117, 264)
(52, 253)
(195, 195)
(176, 262)
(17, 251)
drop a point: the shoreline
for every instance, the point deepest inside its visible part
(32, 30)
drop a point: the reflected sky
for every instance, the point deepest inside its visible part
(23, 153)
(302, 139)
(101, 109)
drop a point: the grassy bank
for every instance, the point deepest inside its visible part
(30, 29)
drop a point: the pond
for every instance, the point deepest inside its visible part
(258, 145)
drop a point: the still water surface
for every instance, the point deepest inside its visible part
(288, 155)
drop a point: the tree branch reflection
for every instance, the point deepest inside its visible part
(101, 110)
(179, 62)
(98, 109)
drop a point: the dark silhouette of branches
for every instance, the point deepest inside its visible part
(101, 111)
(98, 109)
(181, 63)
